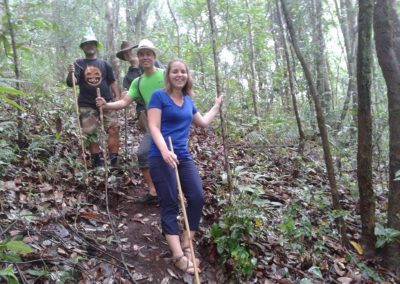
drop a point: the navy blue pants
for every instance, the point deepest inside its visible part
(164, 179)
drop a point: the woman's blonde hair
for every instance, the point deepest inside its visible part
(188, 88)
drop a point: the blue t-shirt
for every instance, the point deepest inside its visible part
(175, 122)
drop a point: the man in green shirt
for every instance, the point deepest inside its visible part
(142, 89)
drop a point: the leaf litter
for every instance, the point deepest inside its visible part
(67, 226)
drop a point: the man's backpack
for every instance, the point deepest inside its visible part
(141, 113)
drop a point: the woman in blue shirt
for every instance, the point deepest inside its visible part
(170, 113)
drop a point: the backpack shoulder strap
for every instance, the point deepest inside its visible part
(138, 86)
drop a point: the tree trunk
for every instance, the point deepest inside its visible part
(347, 20)
(396, 28)
(130, 20)
(253, 79)
(60, 43)
(20, 136)
(278, 38)
(178, 36)
(341, 226)
(323, 85)
(364, 153)
(141, 18)
(197, 43)
(351, 15)
(389, 63)
(292, 92)
(218, 87)
(136, 17)
(110, 42)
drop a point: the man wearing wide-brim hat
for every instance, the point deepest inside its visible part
(141, 89)
(134, 71)
(125, 46)
(126, 54)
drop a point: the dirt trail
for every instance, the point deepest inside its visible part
(149, 252)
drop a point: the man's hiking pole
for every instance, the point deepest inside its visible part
(181, 197)
(80, 128)
(126, 130)
(103, 135)
(104, 146)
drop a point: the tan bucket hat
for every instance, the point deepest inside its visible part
(145, 44)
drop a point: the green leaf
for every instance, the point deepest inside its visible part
(385, 235)
(9, 274)
(371, 273)
(389, 232)
(12, 91)
(316, 271)
(41, 23)
(77, 259)
(25, 49)
(18, 247)
(11, 257)
(306, 281)
(6, 44)
(38, 273)
(380, 242)
(13, 281)
(11, 102)
(62, 276)
(239, 169)
(397, 175)
(379, 229)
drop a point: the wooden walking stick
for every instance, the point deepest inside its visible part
(103, 132)
(80, 128)
(181, 197)
(103, 144)
(126, 129)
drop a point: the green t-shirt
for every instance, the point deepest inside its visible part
(148, 84)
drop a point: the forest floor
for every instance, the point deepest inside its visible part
(75, 239)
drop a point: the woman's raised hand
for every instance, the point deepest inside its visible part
(218, 101)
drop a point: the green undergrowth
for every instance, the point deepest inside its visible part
(240, 224)
(11, 251)
(304, 225)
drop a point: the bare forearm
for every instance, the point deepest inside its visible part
(154, 116)
(158, 138)
(120, 104)
(169, 156)
(211, 114)
(204, 121)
